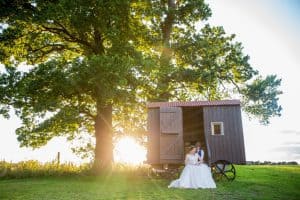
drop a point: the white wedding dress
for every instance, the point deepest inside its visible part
(194, 175)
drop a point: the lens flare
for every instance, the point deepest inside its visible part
(128, 151)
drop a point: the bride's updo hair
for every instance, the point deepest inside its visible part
(191, 148)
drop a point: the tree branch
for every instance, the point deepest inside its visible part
(98, 41)
(82, 109)
(86, 112)
(63, 32)
(235, 84)
(43, 51)
(57, 46)
(168, 23)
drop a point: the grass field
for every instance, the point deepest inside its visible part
(252, 182)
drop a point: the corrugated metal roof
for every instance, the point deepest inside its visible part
(194, 103)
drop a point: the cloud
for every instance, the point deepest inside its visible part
(291, 143)
(290, 149)
(295, 157)
(295, 149)
(290, 132)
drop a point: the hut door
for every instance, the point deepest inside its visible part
(171, 138)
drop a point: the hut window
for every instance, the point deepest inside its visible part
(217, 128)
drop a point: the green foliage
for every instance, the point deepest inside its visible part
(261, 98)
(60, 92)
(253, 182)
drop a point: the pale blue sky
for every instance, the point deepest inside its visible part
(269, 31)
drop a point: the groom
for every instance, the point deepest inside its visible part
(199, 151)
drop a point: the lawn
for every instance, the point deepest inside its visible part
(252, 182)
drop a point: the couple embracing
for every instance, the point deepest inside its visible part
(196, 174)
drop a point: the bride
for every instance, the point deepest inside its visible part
(195, 174)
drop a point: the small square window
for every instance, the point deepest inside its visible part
(217, 128)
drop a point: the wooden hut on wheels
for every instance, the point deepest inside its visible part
(173, 126)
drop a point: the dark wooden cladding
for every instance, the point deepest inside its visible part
(229, 146)
(153, 154)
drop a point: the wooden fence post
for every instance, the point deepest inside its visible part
(58, 158)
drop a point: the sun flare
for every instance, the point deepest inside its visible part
(128, 151)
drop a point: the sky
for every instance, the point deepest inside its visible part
(269, 31)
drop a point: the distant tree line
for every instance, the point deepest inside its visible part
(271, 163)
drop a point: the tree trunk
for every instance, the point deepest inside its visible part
(167, 26)
(166, 54)
(103, 133)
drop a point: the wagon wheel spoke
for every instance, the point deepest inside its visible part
(228, 177)
(217, 166)
(223, 166)
(230, 174)
(225, 169)
(231, 170)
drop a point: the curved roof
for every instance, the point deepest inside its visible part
(194, 103)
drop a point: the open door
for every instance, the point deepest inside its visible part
(171, 135)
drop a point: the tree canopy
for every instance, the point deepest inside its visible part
(95, 63)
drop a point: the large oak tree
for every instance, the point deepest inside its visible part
(95, 60)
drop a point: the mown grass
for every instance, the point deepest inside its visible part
(252, 182)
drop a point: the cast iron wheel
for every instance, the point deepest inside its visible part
(223, 169)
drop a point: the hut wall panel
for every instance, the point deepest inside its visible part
(235, 134)
(242, 142)
(229, 146)
(153, 136)
(233, 130)
(240, 138)
(240, 155)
